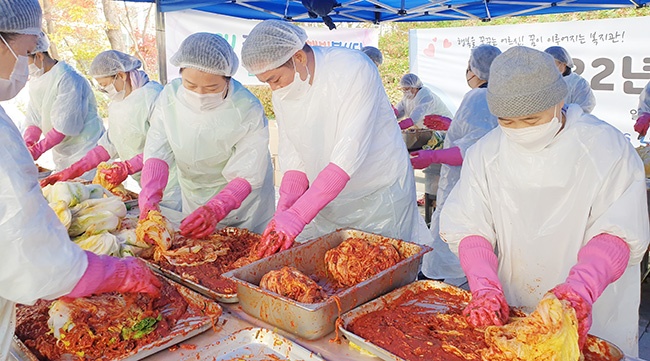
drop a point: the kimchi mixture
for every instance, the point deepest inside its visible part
(355, 260)
(204, 261)
(102, 327)
(291, 283)
(429, 325)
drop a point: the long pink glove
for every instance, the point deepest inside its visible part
(110, 274)
(77, 169)
(32, 135)
(287, 225)
(294, 185)
(601, 261)
(202, 222)
(488, 305)
(642, 124)
(406, 123)
(437, 122)
(424, 158)
(52, 138)
(155, 175)
(118, 171)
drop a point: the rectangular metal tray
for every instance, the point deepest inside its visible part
(221, 297)
(594, 343)
(254, 344)
(205, 310)
(207, 292)
(313, 321)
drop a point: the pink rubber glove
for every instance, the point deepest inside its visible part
(437, 122)
(287, 225)
(118, 171)
(77, 169)
(110, 274)
(488, 305)
(51, 139)
(293, 186)
(155, 175)
(406, 123)
(395, 110)
(642, 124)
(424, 158)
(202, 222)
(601, 261)
(32, 135)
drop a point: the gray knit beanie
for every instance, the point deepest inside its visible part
(524, 81)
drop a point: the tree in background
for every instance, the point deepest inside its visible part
(81, 29)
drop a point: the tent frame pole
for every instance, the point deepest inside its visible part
(161, 44)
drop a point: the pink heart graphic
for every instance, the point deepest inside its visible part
(430, 51)
(446, 43)
(434, 39)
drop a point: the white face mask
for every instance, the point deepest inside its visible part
(296, 89)
(35, 71)
(113, 93)
(12, 86)
(536, 138)
(203, 102)
(408, 94)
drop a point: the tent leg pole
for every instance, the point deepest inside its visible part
(161, 44)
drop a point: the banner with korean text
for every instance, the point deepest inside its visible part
(181, 24)
(613, 55)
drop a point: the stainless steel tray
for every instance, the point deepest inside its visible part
(597, 345)
(254, 344)
(313, 321)
(206, 313)
(221, 297)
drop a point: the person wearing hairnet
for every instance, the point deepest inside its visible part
(214, 133)
(38, 261)
(472, 121)
(132, 97)
(418, 102)
(374, 54)
(541, 205)
(579, 90)
(343, 159)
(643, 121)
(61, 105)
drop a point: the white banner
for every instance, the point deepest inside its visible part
(181, 24)
(612, 55)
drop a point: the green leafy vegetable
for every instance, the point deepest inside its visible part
(140, 329)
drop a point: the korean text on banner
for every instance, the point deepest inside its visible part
(611, 54)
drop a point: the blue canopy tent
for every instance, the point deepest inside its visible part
(376, 11)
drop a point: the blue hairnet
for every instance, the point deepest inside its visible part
(374, 54)
(270, 44)
(481, 59)
(42, 44)
(560, 54)
(20, 17)
(410, 80)
(111, 62)
(206, 52)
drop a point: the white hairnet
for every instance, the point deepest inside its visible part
(42, 44)
(374, 54)
(111, 62)
(560, 54)
(481, 59)
(410, 80)
(270, 44)
(206, 52)
(21, 17)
